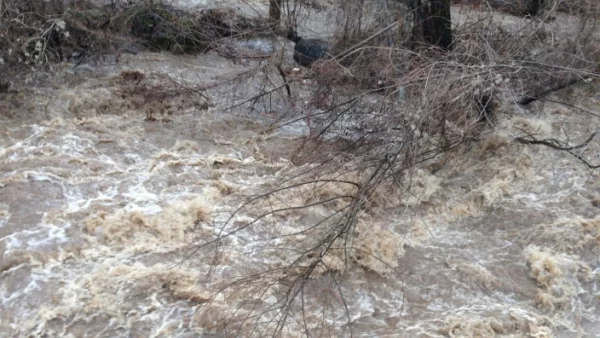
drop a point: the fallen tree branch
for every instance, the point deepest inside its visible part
(561, 85)
(562, 146)
(571, 106)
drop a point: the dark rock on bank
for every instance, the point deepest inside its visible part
(307, 51)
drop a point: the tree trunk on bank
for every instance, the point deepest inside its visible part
(431, 22)
(275, 13)
(534, 7)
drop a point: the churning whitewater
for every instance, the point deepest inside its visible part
(111, 206)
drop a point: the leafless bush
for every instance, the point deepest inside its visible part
(586, 7)
(41, 33)
(359, 20)
(535, 7)
(30, 30)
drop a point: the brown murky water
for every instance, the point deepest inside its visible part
(101, 211)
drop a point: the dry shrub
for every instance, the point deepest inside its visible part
(381, 91)
(31, 31)
(41, 33)
(586, 7)
(399, 109)
(428, 100)
(358, 20)
(163, 27)
(367, 68)
(535, 7)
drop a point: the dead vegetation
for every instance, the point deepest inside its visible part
(534, 7)
(398, 106)
(40, 34)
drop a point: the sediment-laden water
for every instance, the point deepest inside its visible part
(104, 209)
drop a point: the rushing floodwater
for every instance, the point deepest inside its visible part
(99, 210)
(102, 210)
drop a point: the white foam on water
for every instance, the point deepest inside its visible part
(116, 259)
(4, 214)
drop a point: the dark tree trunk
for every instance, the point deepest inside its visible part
(275, 13)
(533, 7)
(432, 23)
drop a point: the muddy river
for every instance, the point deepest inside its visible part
(109, 210)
